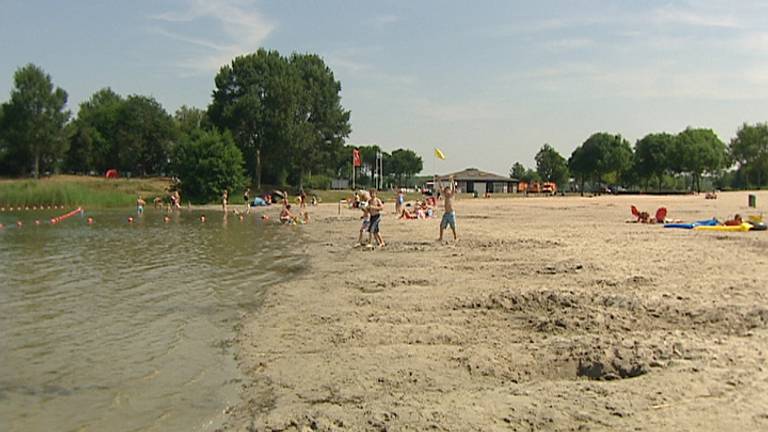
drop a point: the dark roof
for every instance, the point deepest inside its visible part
(473, 174)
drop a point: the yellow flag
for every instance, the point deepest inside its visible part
(439, 154)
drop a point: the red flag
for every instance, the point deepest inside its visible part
(356, 157)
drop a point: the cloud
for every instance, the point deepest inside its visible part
(754, 42)
(568, 44)
(675, 15)
(244, 29)
(386, 19)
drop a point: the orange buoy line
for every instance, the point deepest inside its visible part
(12, 208)
(67, 215)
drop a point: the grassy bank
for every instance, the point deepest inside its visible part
(79, 191)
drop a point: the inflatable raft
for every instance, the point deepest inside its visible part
(727, 228)
(702, 223)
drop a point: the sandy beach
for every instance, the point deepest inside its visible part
(548, 314)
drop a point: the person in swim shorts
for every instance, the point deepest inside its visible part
(140, 203)
(375, 207)
(449, 216)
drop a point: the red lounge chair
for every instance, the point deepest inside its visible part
(635, 212)
(661, 214)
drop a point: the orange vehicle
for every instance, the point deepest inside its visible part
(549, 188)
(537, 187)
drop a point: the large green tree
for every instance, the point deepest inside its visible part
(207, 162)
(551, 166)
(697, 151)
(95, 133)
(33, 123)
(320, 122)
(144, 137)
(285, 114)
(255, 98)
(749, 150)
(652, 156)
(403, 165)
(600, 158)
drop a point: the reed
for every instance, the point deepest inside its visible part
(79, 191)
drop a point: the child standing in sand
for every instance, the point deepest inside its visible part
(449, 216)
(375, 207)
(366, 218)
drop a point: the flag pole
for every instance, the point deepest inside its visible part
(353, 171)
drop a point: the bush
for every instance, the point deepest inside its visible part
(207, 162)
(318, 182)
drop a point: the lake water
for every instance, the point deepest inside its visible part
(128, 327)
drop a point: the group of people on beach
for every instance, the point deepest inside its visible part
(368, 202)
(372, 208)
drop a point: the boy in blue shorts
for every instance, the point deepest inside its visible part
(449, 217)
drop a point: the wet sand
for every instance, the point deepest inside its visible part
(548, 314)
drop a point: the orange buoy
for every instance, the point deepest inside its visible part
(37, 222)
(19, 224)
(166, 219)
(2, 226)
(89, 220)
(202, 218)
(130, 219)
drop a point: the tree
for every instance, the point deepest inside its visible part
(188, 119)
(97, 125)
(601, 156)
(144, 136)
(697, 151)
(551, 166)
(404, 163)
(368, 159)
(749, 150)
(282, 113)
(320, 122)
(207, 162)
(582, 165)
(517, 171)
(530, 176)
(80, 157)
(33, 123)
(651, 156)
(254, 98)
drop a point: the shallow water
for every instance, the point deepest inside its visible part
(128, 327)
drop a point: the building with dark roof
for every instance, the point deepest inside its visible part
(473, 180)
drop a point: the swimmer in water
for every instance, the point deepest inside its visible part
(247, 199)
(140, 203)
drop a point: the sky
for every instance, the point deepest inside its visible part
(487, 82)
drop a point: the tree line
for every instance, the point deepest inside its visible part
(273, 119)
(658, 161)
